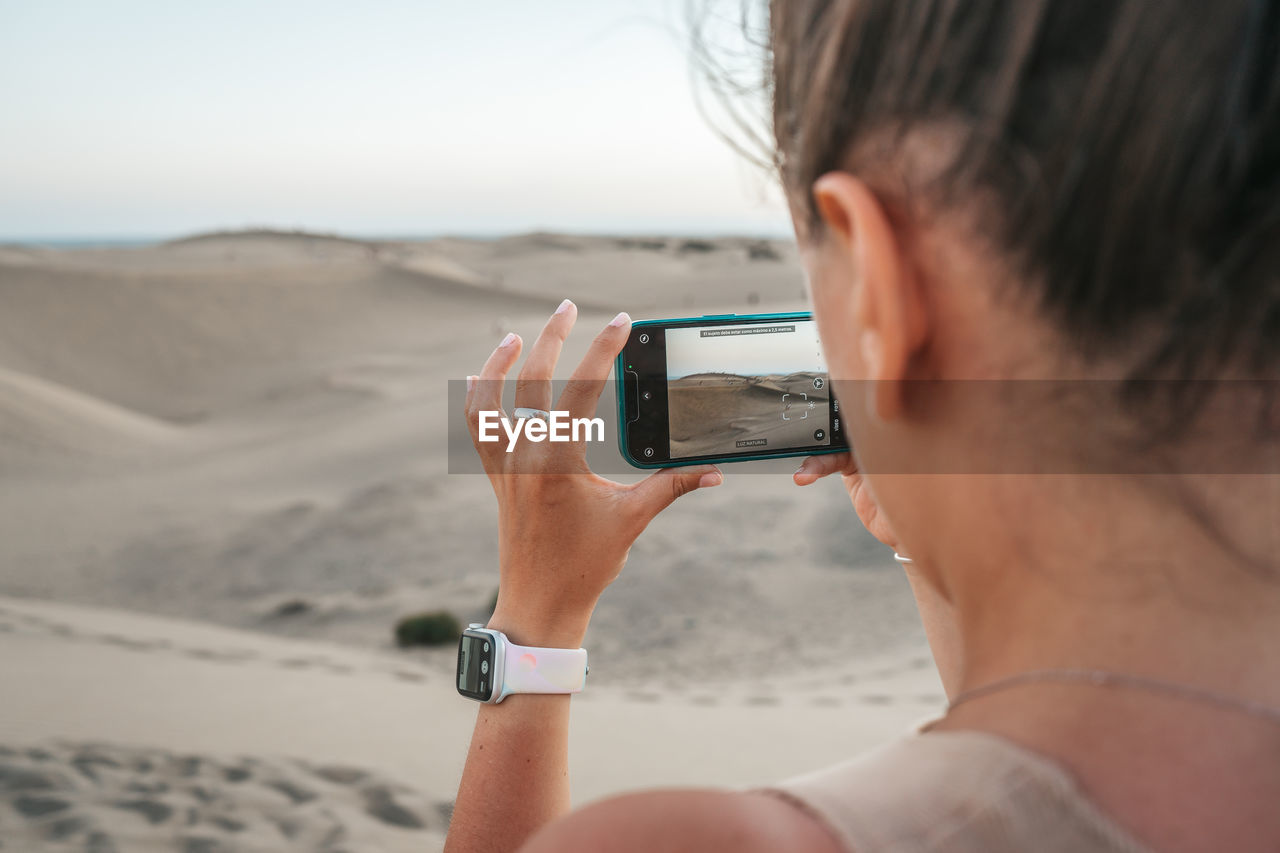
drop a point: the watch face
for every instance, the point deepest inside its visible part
(475, 665)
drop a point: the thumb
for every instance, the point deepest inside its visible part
(659, 490)
(814, 468)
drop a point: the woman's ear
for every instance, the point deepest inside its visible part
(890, 307)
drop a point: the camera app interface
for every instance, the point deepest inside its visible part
(746, 388)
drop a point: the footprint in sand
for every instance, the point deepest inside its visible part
(153, 811)
(33, 806)
(187, 802)
(340, 775)
(380, 800)
(642, 696)
(296, 793)
(314, 663)
(93, 766)
(65, 827)
(380, 803)
(218, 655)
(133, 645)
(403, 675)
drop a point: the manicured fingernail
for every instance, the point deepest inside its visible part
(508, 340)
(471, 382)
(709, 479)
(621, 320)
(564, 306)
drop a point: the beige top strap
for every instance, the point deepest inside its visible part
(963, 792)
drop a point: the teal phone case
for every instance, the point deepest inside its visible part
(680, 463)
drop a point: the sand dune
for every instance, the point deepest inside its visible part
(208, 429)
(267, 417)
(43, 422)
(670, 276)
(183, 346)
(276, 404)
(713, 412)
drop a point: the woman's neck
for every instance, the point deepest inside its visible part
(1111, 572)
(1096, 573)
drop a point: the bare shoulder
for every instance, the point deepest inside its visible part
(693, 819)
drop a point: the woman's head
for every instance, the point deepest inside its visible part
(1120, 159)
(1048, 189)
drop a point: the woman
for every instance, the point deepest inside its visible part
(1077, 203)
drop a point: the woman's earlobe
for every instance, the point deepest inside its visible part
(886, 399)
(872, 351)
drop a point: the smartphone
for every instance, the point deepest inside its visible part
(724, 388)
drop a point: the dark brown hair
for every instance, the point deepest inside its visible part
(1131, 147)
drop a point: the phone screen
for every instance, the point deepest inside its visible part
(726, 388)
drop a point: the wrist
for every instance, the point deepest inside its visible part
(545, 629)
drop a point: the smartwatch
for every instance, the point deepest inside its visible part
(491, 667)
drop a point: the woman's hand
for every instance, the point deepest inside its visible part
(815, 468)
(563, 532)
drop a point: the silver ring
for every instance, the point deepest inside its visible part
(902, 559)
(523, 414)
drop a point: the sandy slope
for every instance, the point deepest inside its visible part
(43, 421)
(211, 428)
(149, 731)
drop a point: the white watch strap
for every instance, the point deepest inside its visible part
(530, 669)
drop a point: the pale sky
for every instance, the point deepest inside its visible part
(157, 118)
(688, 352)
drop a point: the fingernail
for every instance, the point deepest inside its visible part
(508, 340)
(471, 382)
(564, 306)
(709, 479)
(621, 320)
(800, 470)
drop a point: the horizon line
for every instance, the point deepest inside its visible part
(90, 239)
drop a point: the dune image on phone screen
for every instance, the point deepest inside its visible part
(745, 388)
